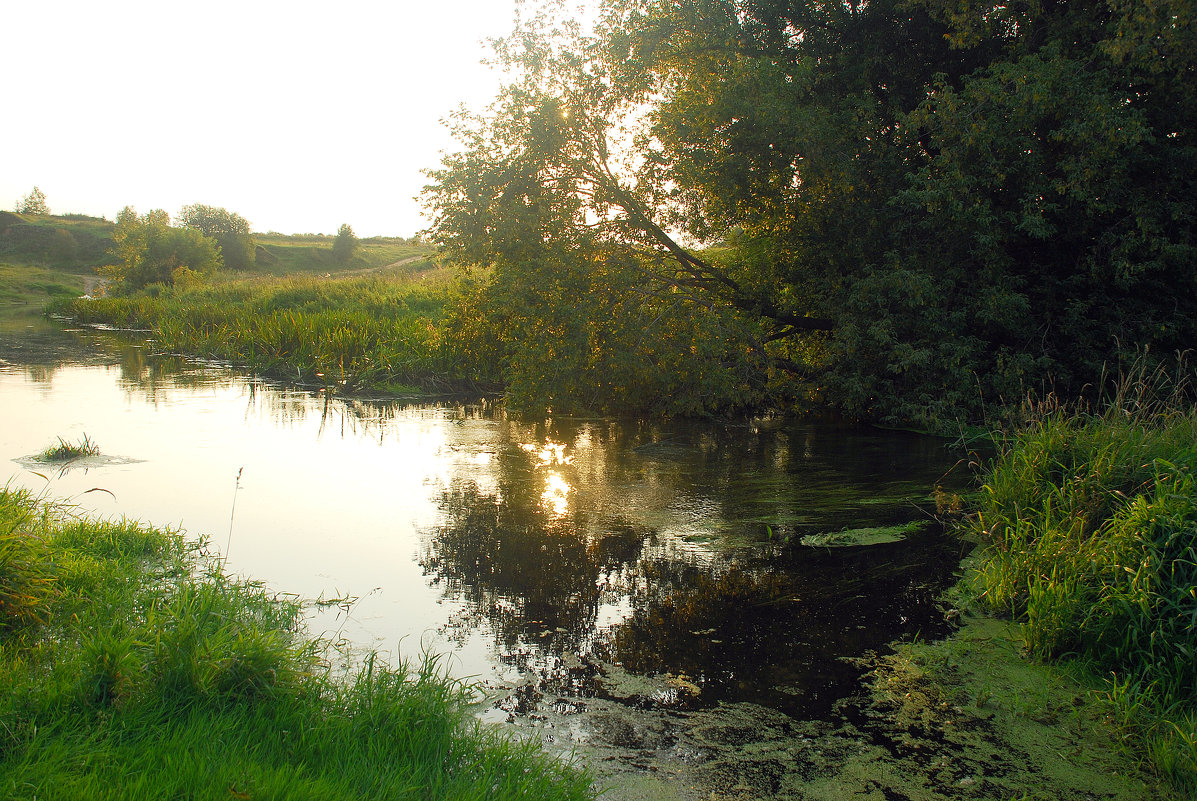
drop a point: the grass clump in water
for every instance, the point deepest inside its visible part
(133, 667)
(1089, 525)
(65, 451)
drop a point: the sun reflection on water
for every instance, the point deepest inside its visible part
(555, 498)
(548, 453)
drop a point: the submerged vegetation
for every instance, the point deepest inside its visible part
(133, 667)
(1089, 529)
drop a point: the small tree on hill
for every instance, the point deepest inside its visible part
(345, 245)
(33, 203)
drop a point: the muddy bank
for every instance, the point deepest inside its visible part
(967, 717)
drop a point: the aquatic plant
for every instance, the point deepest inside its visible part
(64, 451)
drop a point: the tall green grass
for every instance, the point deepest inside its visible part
(131, 667)
(1089, 525)
(360, 333)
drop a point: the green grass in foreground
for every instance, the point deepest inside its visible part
(1089, 525)
(358, 332)
(132, 667)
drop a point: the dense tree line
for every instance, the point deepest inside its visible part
(903, 209)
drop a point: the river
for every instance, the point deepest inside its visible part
(603, 581)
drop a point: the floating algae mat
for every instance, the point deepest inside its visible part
(872, 535)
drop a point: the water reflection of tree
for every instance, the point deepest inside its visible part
(772, 627)
(777, 629)
(535, 578)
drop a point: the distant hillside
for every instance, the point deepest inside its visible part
(280, 254)
(78, 244)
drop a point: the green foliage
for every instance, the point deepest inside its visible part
(230, 230)
(924, 207)
(1089, 532)
(563, 336)
(150, 251)
(359, 333)
(346, 244)
(33, 203)
(26, 577)
(151, 674)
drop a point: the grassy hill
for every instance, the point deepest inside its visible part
(280, 254)
(73, 243)
(77, 244)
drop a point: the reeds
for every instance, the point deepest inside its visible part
(354, 333)
(147, 672)
(1089, 521)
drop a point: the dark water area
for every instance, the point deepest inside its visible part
(565, 564)
(697, 535)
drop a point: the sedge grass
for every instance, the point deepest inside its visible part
(149, 673)
(1089, 529)
(64, 451)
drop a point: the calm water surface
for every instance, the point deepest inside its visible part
(543, 557)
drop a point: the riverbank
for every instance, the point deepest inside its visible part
(134, 667)
(377, 332)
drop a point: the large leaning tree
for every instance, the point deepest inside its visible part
(917, 206)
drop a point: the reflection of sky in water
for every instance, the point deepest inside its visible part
(456, 528)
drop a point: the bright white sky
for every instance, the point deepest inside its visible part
(297, 115)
